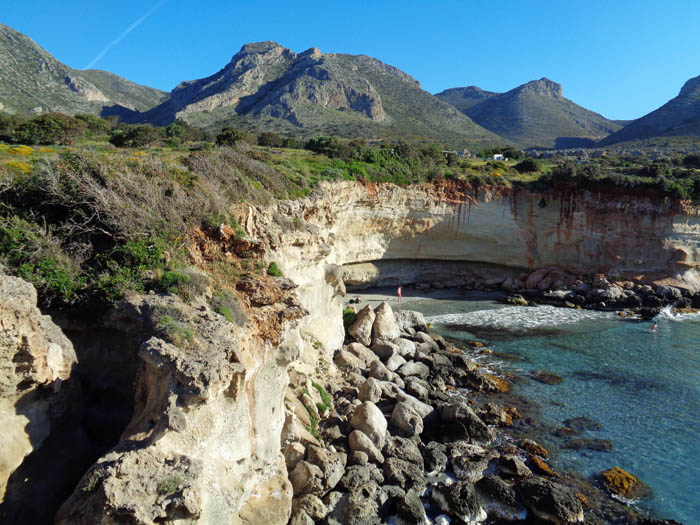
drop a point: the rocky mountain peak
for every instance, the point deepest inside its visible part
(312, 52)
(691, 88)
(543, 87)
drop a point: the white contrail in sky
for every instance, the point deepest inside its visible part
(123, 35)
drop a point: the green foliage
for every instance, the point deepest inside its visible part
(171, 281)
(527, 166)
(274, 270)
(175, 331)
(349, 317)
(95, 479)
(168, 485)
(326, 400)
(271, 139)
(50, 128)
(134, 136)
(692, 161)
(231, 137)
(329, 146)
(313, 419)
(96, 125)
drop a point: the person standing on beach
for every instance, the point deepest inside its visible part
(398, 293)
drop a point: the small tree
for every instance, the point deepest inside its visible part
(268, 138)
(527, 166)
(135, 136)
(230, 137)
(692, 161)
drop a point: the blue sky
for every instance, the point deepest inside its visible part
(621, 58)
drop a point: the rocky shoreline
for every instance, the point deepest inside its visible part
(554, 286)
(416, 431)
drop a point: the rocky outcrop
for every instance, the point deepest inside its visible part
(204, 443)
(35, 359)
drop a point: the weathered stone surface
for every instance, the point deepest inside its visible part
(361, 329)
(413, 368)
(34, 354)
(394, 362)
(533, 447)
(470, 461)
(435, 456)
(370, 390)
(359, 442)
(370, 420)
(348, 361)
(550, 501)
(307, 478)
(459, 500)
(405, 449)
(406, 475)
(358, 475)
(621, 483)
(499, 499)
(293, 453)
(363, 353)
(378, 371)
(405, 347)
(331, 463)
(475, 429)
(311, 505)
(406, 420)
(384, 327)
(410, 319)
(513, 466)
(410, 508)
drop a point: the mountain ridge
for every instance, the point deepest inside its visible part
(313, 92)
(678, 117)
(537, 114)
(32, 81)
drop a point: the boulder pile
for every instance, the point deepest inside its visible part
(404, 441)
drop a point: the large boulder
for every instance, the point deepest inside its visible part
(369, 419)
(363, 353)
(409, 319)
(459, 415)
(550, 501)
(460, 501)
(361, 329)
(384, 327)
(406, 420)
(370, 390)
(359, 441)
(499, 499)
(414, 368)
(307, 478)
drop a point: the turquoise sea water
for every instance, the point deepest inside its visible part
(642, 387)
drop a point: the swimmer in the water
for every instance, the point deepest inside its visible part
(655, 328)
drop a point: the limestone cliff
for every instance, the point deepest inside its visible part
(504, 230)
(35, 358)
(204, 442)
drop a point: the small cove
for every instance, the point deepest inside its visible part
(642, 387)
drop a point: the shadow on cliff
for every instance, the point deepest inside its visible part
(101, 404)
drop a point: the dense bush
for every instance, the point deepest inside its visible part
(231, 137)
(51, 128)
(134, 136)
(527, 166)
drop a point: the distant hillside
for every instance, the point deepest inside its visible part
(268, 86)
(32, 81)
(679, 117)
(536, 114)
(464, 98)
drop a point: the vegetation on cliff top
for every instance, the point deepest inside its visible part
(88, 221)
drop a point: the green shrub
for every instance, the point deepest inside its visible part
(349, 317)
(274, 270)
(327, 401)
(226, 303)
(134, 136)
(168, 485)
(51, 128)
(177, 332)
(231, 137)
(527, 166)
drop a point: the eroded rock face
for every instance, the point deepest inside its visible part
(204, 441)
(35, 359)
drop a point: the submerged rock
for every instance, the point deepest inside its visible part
(582, 423)
(546, 377)
(601, 445)
(621, 483)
